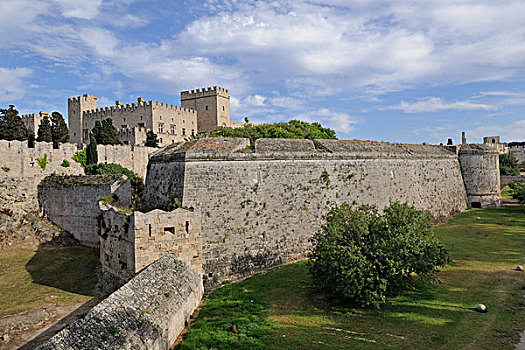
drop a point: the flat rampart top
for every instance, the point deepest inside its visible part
(477, 148)
(239, 149)
(75, 180)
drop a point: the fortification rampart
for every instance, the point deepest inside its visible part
(259, 209)
(148, 312)
(71, 202)
(130, 241)
(518, 150)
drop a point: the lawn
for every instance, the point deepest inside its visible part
(282, 309)
(32, 279)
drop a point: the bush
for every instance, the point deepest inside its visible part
(517, 190)
(362, 257)
(80, 157)
(43, 161)
(65, 163)
(508, 164)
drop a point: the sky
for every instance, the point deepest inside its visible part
(400, 71)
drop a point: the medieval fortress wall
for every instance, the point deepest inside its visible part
(149, 312)
(260, 208)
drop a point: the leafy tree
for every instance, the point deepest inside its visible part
(151, 139)
(80, 157)
(362, 257)
(508, 164)
(44, 130)
(91, 152)
(11, 125)
(294, 129)
(59, 131)
(517, 190)
(105, 133)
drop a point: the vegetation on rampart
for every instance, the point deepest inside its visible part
(294, 129)
(485, 247)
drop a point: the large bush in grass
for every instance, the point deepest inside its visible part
(361, 256)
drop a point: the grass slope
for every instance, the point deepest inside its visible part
(283, 310)
(33, 279)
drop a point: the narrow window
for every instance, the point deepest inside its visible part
(172, 130)
(223, 108)
(149, 230)
(206, 107)
(192, 132)
(187, 227)
(183, 131)
(170, 230)
(161, 127)
(160, 117)
(124, 119)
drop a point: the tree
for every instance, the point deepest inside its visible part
(151, 139)
(11, 125)
(44, 130)
(361, 256)
(59, 131)
(92, 153)
(508, 164)
(449, 142)
(31, 140)
(105, 133)
(517, 190)
(294, 129)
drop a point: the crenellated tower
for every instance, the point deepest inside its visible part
(76, 106)
(212, 105)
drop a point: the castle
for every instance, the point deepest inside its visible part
(201, 111)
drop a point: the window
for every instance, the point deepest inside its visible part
(206, 107)
(172, 130)
(192, 132)
(223, 108)
(124, 126)
(160, 117)
(141, 125)
(161, 127)
(140, 117)
(124, 119)
(183, 131)
(160, 140)
(86, 134)
(493, 141)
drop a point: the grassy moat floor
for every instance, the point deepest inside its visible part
(281, 309)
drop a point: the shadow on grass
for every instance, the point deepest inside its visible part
(71, 269)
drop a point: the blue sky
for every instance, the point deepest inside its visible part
(400, 71)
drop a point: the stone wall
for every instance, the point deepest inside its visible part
(518, 151)
(20, 161)
(506, 179)
(71, 202)
(148, 312)
(259, 209)
(130, 241)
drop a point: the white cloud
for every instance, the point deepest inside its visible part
(514, 131)
(13, 83)
(84, 9)
(435, 104)
(342, 123)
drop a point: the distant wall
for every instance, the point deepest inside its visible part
(132, 241)
(259, 209)
(505, 179)
(71, 202)
(519, 152)
(148, 312)
(20, 161)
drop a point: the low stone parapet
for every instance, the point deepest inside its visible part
(148, 312)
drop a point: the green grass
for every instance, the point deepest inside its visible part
(49, 276)
(283, 310)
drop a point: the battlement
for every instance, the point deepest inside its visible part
(204, 92)
(84, 97)
(121, 108)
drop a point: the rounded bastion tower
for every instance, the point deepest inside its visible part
(480, 169)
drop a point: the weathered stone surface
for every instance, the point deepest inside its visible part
(148, 312)
(283, 145)
(132, 241)
(71, 202)
(260, 209)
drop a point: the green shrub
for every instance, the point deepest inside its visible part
(43, 161)
(362, 257)
(508, 164)
(517, 190)
(65, 163)
(80, 157)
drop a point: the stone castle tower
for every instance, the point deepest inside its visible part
(76, 106)
(212, 105)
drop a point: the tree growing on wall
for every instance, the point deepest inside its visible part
(294, 129)
(105, 133)
(44, 130)
(151, 139)
(59, 131)
(91, 152)
(362, 257)
(508, 164)
(11, 125)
